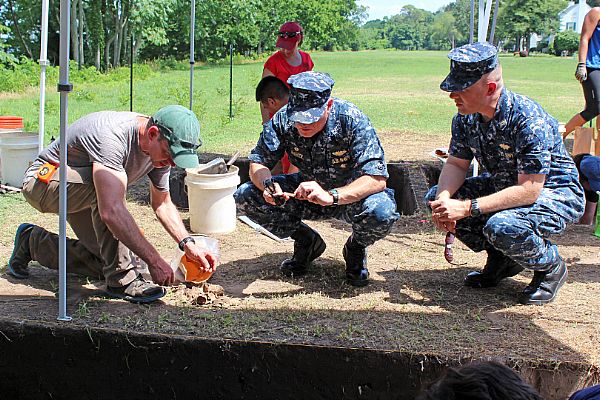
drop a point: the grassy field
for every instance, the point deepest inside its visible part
(398, 90)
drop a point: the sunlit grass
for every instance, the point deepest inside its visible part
(398, 90)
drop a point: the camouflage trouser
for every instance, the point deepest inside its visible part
(519, 233)
(371, 218)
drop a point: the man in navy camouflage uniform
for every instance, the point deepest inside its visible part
(342, 175)
(530, 188)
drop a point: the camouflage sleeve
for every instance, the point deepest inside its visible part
(533, 141)
(268, 150)
(459, 145)
(366, 148)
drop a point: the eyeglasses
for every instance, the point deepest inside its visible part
(288, 34)
(174, 140)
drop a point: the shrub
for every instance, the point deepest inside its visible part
(567, 41)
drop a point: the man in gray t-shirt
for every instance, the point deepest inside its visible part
(107, 151)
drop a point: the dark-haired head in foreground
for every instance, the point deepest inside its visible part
(480, 381)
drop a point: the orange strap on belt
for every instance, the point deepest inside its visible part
(45, 173)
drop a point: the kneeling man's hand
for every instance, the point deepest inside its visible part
(205, 259)
(161, 273)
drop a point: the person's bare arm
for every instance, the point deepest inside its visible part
(589, 214)
(110, 192)
(169, 217)
(589, 25)
(525, 192)
(356, 190)
(452, 177)
(361, 188)
(258, 173)
(267, 72)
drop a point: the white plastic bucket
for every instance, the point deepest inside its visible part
(5, 131)
(211, 203)
(18, 151)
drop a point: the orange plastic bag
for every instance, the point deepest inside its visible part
(186, 270)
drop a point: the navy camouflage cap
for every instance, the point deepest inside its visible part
(309, 92)
(468, 64)
(590, 169)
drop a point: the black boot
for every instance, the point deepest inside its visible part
(497, 267)
(17, 265)
(544, 285)
(355, 256)
(308, 245)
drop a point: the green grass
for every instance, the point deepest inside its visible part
(398, 90)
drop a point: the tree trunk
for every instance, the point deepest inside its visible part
(107, 52)
(136, 45)
(17, 30)
(81, 24)
(126, 43)
(116, 49)
(121, 20)
(97, 61)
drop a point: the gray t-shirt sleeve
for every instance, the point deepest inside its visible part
(160, 178)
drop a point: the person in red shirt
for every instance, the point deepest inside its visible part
(287, 61)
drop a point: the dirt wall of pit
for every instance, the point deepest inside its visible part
(64, 361)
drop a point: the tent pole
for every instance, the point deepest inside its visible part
(131, 73)
(493, 30)
(43, 65)
(230, 81)
(481, 34)
(64, 87)
(472, 22)
(192, 29)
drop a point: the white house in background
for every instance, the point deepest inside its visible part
(571, 18)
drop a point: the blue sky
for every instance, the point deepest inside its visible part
(380, 8)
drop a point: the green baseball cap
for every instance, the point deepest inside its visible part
(180, 127)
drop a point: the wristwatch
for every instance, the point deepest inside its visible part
(184, 241)
(475, 210)
(336, 196)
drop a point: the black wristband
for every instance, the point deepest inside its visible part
(184, 241)
(336, 196)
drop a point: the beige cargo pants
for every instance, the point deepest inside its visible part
(97, 253)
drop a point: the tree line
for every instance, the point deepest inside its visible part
(517, 20)
(105, 32)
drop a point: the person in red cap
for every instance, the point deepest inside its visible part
(287, 61)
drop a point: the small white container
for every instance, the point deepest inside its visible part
(17, 150)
